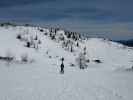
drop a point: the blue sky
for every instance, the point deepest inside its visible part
(105, 18)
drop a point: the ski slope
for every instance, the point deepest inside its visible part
(40, 80)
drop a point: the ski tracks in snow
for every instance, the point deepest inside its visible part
(103, 93)
(73, 91)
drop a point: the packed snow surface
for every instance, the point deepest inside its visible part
(41, 79)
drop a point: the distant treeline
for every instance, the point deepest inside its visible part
(7, 23)
(126, 42)
(13, 24)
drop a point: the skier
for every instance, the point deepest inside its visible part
(62, 66)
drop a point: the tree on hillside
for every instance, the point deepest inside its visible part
(84, 50)
(81, 60)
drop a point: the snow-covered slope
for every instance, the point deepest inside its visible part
(40, 79)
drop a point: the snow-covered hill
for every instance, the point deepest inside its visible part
(107, 75)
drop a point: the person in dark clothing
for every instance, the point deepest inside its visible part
(62, 66)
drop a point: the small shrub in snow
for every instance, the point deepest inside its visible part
(47, 52)
(56, 56)
(53, 37)
(8, 57)
(41, 30)
(39, 42)
(61, 37)
(87, 60)
(72, 65)
(24, 57)
(97, 61)
(50, 57)
(28, 44)
(129, 69)
(19, 36)
(45, 33)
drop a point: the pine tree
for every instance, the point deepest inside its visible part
(36, 38)
(71, 48)
(77, 44)
(84, 50)
(81, 60)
